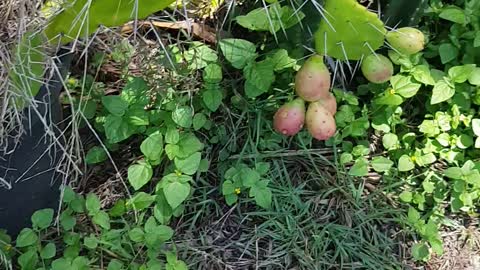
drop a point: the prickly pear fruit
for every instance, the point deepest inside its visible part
(289, 119)
(320, 122)
(406, 40)
(330, 103)
(312, 81)
(377, 68)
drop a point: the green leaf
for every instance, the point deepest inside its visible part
(413, 216)
(92, 204)
(259, 78)
(425, 160)
(390, 141)
(136, 235)
(228, 188)
(428, 186)
(460, 74)
(115, 105)
(360, 150)
(176, 193)
(280, 60)
(48, 251)
(102, 219)
(475, 75)
(442, 91)
(212, 73)
(262, 168)
(182, 116)
(453, 14)
(28, 260)
(137, 116)
(447, 52)
(188, 144)
(405, 164)
(381, 164)
(262, 194)
(91, 242)
(476, 41)
(199, 121)
(68, 194)
(140, 201)
(114, 264)
(345, 158)
(190, 164)
(477, 143)
(406, 196)
(212, 99)
(172, 150)
(27, 237)
(139, 174)
(95, 155)
(152, 146)
(389, 98)
(172, 136)
(42, 219)
(404, 86)
(238, 52)
(429, 128)
(117, 129)
(422, 74)
(135, 92)
(360, 168)
(200, 55)
(67, 221)
(162, 210)
(464, 141)
(476, 126)
(231, 199)
(420, 252)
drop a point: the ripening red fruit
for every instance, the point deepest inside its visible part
(289, 118)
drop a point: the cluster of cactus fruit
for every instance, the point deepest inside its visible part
(313, 81)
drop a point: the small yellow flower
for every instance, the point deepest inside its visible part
(8, 247)
(413, 158)
(178, 173)
(237, 191)
(392, 91)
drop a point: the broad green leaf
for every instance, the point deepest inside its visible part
(176, 193)
(405, 164)
(249, 177)
(280, 60)
(115, 264)
(91, 242)
(464, 141)
(118, 209)
(428, 186)
(48, 251)
(453, 14)
(92, 204)
(137, 235)
(262, 194)
(67, 221)
(172, 150)
(477, 142)
(199, 121)
(420, 252)
(212, 99)
(231, 199)
(135, 92)
(199, 55)
(140, 201)
(139, 174)
(102, 219)
(27, 237)
(404, 86)
(172, 136)
(442, 91)
(162, 210)
(390, 141)
(28, 260)
(460, 74)
(190, 164)
(117, 129)
(476, 126)
(422, 74)
(115, 105)
(381, 164)
(152, 146)
(95, 155)
(389, 98)
(345, 158)
(137, 116)
(182, 116)
(447, 52)
(188, 144)
(413, 215)
(476, 41)
(360, 150)
(359, 168)
(259, 78)
(406, 196)
(238, 52)
(425, 160)
(262, 168)
(475, 75)
(212, 73)
(429, 128)
(42, 219)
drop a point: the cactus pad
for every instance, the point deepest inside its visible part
(348, 30)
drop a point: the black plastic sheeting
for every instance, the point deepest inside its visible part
(30, 168)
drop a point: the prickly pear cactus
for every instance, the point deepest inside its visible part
(400, 13)
(348, 31)
(82, 17)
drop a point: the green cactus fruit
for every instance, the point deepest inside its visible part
(312, 81)
(377, 68)
(348, 30)
(289, 119)
(320, 122)
(406, 40)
